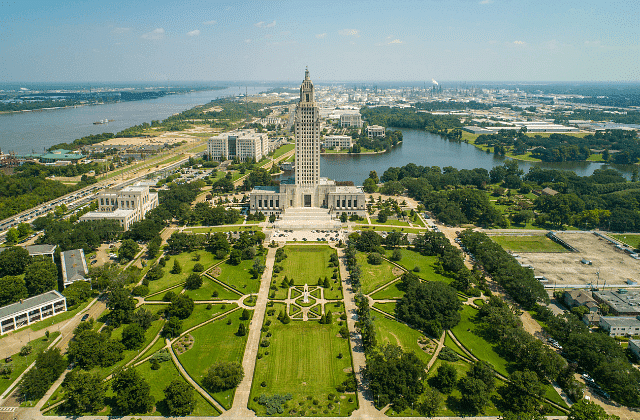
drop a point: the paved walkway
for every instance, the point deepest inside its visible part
(241, 399)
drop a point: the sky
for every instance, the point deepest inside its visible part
(347, 40)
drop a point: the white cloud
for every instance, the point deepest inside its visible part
(263, 24)
(485, 2)
(320, 36)
(156, 34)
(519, 42)
(210, 22)
(349, 32)
(195, 32)
(120, 30)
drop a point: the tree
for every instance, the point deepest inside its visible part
(133, 336)
(132, 392)
(121, 304)
(181, 306)
(41, 276)
(128, 250)
(223, 376)
(12, 289)
(179, 398)
(523, 392)
(194, 281)
(177, 269)
(589, 410)
(446, 377)
(85, 393)
(13, 261)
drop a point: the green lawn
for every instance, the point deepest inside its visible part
(238, 276)
(20, 363)
(389, 292)
(374, 276)
(631, 240)
(206, 291)
(186, 261)
(306, 263)
(302, 360)
(215, 342)
(466, 333)
(529, 243)
(389, 331)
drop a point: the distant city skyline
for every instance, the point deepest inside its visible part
(356, 41)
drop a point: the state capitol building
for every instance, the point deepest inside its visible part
(309, 189)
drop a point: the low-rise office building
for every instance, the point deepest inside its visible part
(242, 144)
(33, 309)
(126, 206)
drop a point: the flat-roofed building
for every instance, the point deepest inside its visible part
(126, 206)
(74, 266)
(351, 119)
(33, 309)
(374, 131)
(620, 326)
(242, 144)
(337, 141)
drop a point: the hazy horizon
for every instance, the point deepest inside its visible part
(472, 41)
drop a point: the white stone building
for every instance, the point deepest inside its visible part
(375, 131)
(337, 141)
(242, 144)
(351, 120)
(33, 309)
(309, 189)
(127, 205)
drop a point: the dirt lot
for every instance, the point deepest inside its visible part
(566, 269)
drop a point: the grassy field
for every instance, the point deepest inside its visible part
(303, 360)
(466, 333)
(389, 331)
(531, 243)
(186, 261)
(374, 276)
(215, 342)
(206, 291)
(306, 263)
(629, 239)
(238, 276)
(390, 292)
(20, 363)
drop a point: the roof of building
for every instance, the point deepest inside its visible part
(74, 266)
(620, 321)
(32, 302)
(41, 249)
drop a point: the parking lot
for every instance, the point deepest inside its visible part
(568, 269)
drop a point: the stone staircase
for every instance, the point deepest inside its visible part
(306, 218)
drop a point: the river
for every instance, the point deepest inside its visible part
(24, 132)
(426, 149)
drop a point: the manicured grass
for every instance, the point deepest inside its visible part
(631, 240)
(186, 261)
(529, 243)
(389, 331)
(282, 150)
(215, 342)
(201, 314)
(466, 333)
(159, 296)
(303, 360)
(389, 292)
(374, 276)
(206, 291)
(305, 264)
(238, 276)
(20, 363)
(389, 308)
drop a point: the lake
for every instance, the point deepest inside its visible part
(24, 132)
